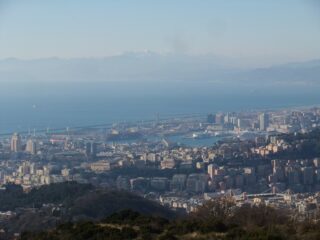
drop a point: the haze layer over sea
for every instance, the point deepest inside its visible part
(40, 105)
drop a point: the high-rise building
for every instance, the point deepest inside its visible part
(178, 182)
(239, 123)
(197, 183)
(263, 121)
(211, 118)
(219, 118)
(88, 148)
(91, 149)
(31, 147)
(227, 118)
(15, 143)
(211, 170)
(32, 168)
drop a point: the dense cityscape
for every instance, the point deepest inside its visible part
(249, 162)
(159, 120)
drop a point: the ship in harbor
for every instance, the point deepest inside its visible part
(208, 134)
(201, 135)
(130, 134)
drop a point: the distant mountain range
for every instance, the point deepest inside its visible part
(293, 73)
(148, 66)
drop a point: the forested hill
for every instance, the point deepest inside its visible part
(62, 193)
(217, 220)
(54, 204)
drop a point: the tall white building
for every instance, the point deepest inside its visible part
(31, 146)
(211, 170)
(263, 121)
(15, 143)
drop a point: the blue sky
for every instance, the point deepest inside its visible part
(270, 31)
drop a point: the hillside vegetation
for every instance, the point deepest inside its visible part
(51, 205)
(217, 220)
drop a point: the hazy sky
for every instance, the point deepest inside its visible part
(270, 30)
